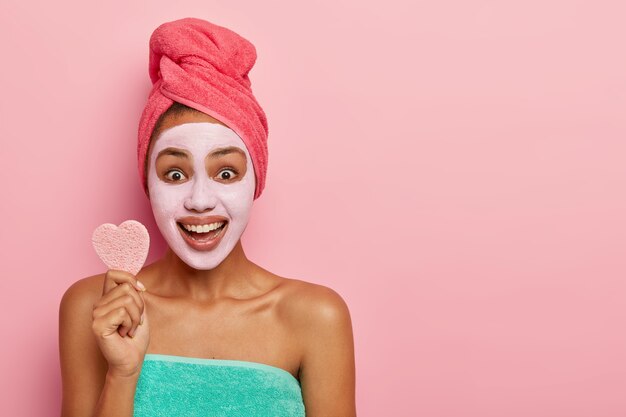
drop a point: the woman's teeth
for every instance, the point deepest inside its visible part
(205, 228)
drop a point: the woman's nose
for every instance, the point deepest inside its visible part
(202, 196)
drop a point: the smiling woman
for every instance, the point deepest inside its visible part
(203, 330)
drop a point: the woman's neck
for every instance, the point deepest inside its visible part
(230, 279)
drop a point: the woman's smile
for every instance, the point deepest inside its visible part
(202, 233)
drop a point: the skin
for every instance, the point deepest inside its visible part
(238, 310)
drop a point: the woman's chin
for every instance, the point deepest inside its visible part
(198, 260)
(202, 265)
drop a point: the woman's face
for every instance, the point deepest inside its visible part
(201, 185)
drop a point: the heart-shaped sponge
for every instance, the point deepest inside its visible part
(123, 248)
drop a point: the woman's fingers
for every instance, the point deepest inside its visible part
(113, 278)
(107, 324)
(131, 302)
(120, 291)
(132, 331)
(121, 285)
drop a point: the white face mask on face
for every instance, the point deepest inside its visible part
(184, 192)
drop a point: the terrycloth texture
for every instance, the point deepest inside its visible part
(177, 386)
(205, 66)
(124, 248)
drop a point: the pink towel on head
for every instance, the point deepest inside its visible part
(205, 66)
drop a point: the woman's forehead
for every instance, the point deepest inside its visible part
(175, 119)
(198, 138)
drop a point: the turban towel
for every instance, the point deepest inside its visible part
(204, 66)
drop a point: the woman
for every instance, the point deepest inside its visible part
(203, 330)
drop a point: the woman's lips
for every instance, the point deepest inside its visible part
(202, 245)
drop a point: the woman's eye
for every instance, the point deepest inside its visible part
(225, 174)
(174, 175)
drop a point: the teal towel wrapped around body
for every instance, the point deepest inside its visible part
(176, 386)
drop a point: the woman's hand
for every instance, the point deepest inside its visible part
(120, 334)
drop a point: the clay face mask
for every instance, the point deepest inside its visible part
(197, 183)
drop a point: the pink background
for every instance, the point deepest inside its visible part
(454, 169)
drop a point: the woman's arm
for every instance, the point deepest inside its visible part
(88, 389)
(327, 371)
(118, 396)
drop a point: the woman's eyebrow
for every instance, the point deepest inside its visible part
(225, 151)
(174, 152)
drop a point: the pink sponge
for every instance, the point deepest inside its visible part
(123, 248)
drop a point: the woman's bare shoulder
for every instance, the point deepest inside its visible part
(308, 303)
(85, 290)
